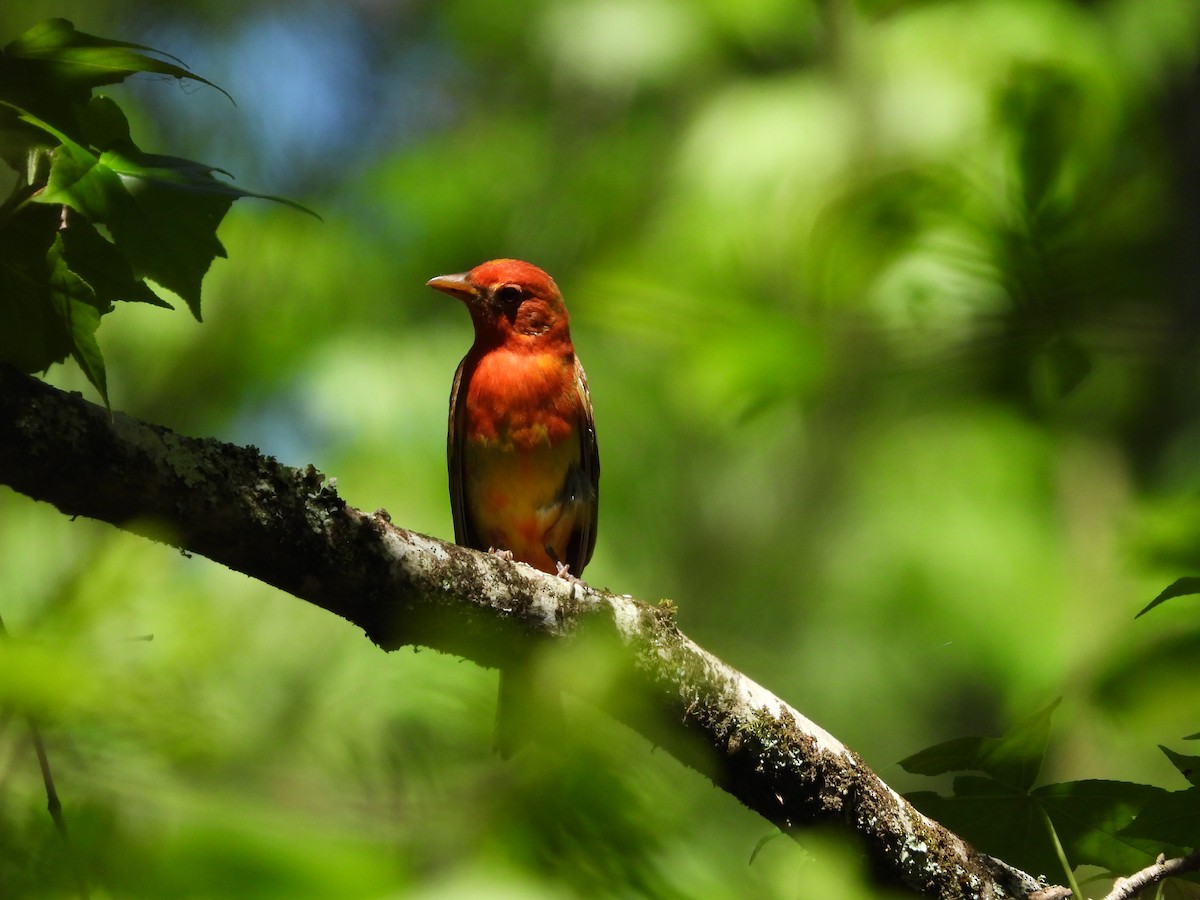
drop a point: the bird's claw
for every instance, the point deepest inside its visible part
(503, 554)
(563, 571)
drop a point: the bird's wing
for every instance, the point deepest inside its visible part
(456, 432)
(583, 538)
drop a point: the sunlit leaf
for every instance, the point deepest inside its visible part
(50, 72)
(163, 211)
(167, 233)
(77, 59)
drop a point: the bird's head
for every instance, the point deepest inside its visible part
(509, 300)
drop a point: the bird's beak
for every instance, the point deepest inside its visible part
(455, 285)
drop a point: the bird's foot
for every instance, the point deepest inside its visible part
(563, 571)
(503, 554)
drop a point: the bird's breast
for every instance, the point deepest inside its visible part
(522, 442)
(518, 402)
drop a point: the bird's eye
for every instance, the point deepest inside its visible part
(509, 293)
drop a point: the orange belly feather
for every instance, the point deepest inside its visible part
(522, 438)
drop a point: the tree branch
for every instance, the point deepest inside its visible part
(1126, 888)
(288, 528)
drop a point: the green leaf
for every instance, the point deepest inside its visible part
(163, 216)
(74, 59)
(958, 755)
(163, 211)
(1013, 760)
(1003, 816)
(55, 284)
(1089, 818)
(99, 263)
(1171, 818)
(50, 71)
(32, 335)
(995, 818)
(1188, 766)
(80, 311)
(1181, 587)
(103, 124)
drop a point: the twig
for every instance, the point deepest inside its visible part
(1162, 868)
(1056, 892)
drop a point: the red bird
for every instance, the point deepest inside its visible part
(524, 466)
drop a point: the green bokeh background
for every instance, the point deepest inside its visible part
(890, 315)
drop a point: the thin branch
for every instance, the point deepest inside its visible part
(288, 528)
(1056, 892)
(1162, 868)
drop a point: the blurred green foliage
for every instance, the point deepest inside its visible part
(889, 314)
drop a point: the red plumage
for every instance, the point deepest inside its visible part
(521, 446)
